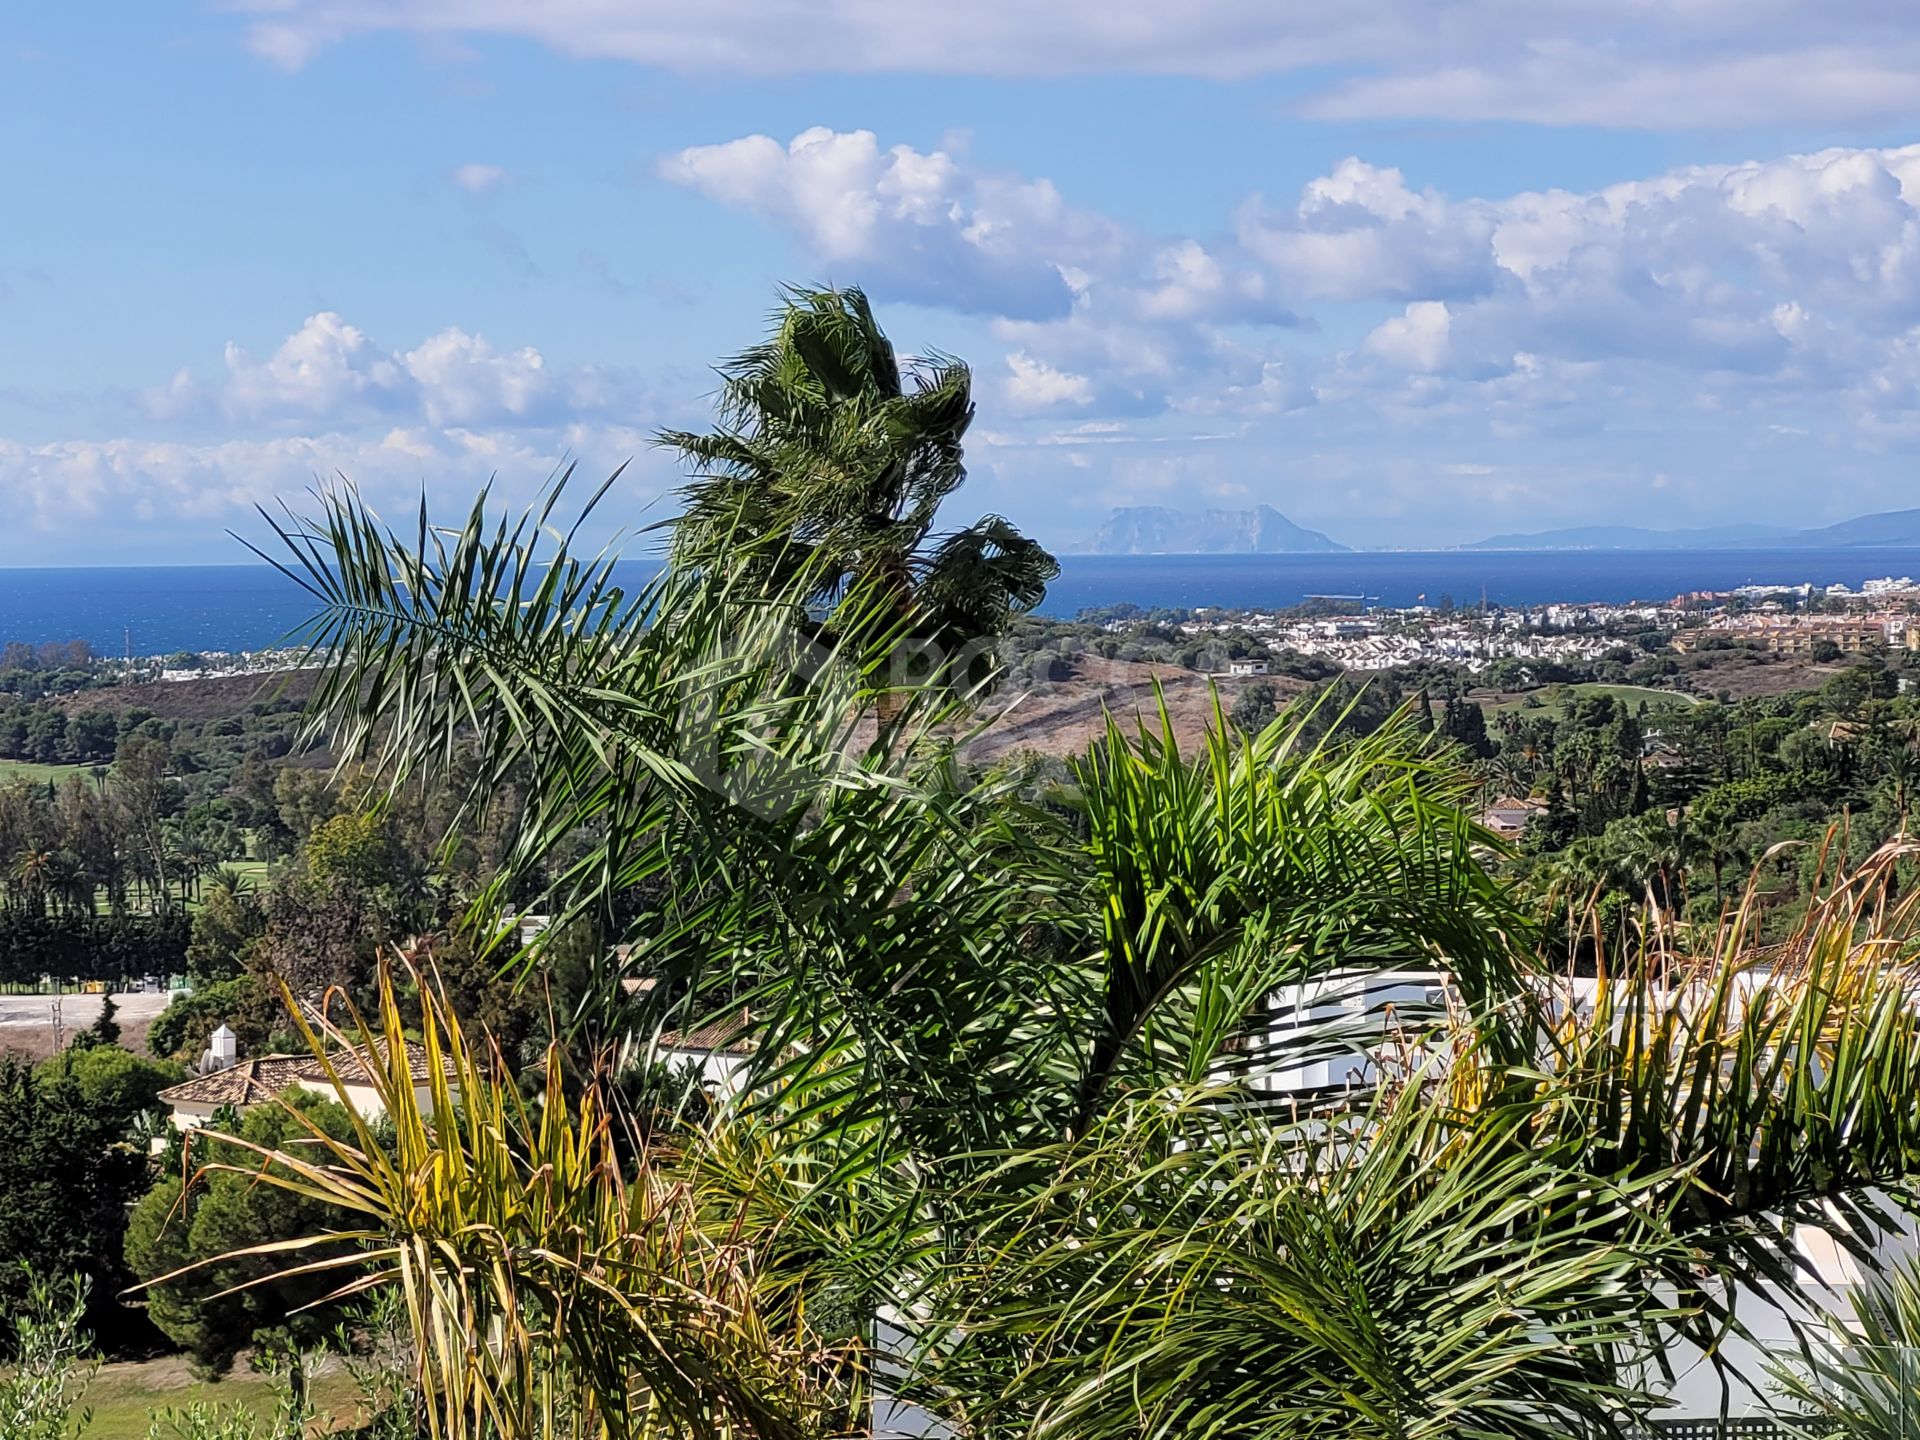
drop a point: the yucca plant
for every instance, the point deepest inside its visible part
(548, 1292)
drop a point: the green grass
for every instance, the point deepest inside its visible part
(124, 1398)
(1553, 698)
(12, 770)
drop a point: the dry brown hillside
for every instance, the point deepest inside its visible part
(1061, 718)
(1055, 719)
(212, 699)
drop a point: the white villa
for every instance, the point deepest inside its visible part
(229, 1080)
(1509, 817)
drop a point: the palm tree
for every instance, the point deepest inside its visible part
(69, 883)
(32, 869)
(1436, 1257)
(1001, 1047)
(826, 474)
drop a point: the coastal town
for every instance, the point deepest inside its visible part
(1797, 619)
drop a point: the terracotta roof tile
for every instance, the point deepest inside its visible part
(729, 1034)
(251, 1082)
(247, 1083)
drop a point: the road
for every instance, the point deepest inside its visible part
(77, 1012)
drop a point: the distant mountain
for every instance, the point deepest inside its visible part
(1157, 530)
(1633, 537)
(1889, 527)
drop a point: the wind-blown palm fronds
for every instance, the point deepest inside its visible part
(1473, 1246)
(1211, 883)
(1005, 1085)
(827, 473)
(679, 711)
(549, 1293)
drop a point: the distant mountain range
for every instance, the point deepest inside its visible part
(1157, 530)
(1263, 530)
(1890, 528)
(1634, 537)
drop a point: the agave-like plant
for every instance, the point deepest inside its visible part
(549, 1291)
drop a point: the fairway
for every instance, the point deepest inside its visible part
(1554, 698)
(12, 770)
(124, 1398)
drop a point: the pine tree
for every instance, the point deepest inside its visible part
(1637, 797)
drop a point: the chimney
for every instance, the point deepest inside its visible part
(225, 1049)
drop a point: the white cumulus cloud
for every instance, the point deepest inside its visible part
(1707, 286)
(330, 370)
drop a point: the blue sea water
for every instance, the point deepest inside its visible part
(160, 609)
(1406, 577)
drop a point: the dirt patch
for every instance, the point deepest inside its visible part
(1755, 677)
(28, 1024)
(1064, 717)
(39, 1042)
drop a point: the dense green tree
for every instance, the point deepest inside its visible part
(115, 1083)
(67, 1175)
(358, 849)
(226, 927)
(1466, 724)
(229, 1212)
(244, 1004)
(1253, 711)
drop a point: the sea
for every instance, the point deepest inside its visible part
(161, 609)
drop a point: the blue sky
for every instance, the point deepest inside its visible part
(1413, 271)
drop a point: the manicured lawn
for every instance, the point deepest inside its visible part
(12, 770)
(1553, 698)
(124, 1398)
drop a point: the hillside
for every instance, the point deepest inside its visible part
(1064, 718)
(1636, 537)
(1888, 527)
(217, 698)
(1158, 530)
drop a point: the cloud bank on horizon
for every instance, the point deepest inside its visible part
(1384, 356)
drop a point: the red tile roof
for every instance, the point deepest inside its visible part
(729, 1034)
(250, 1082)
